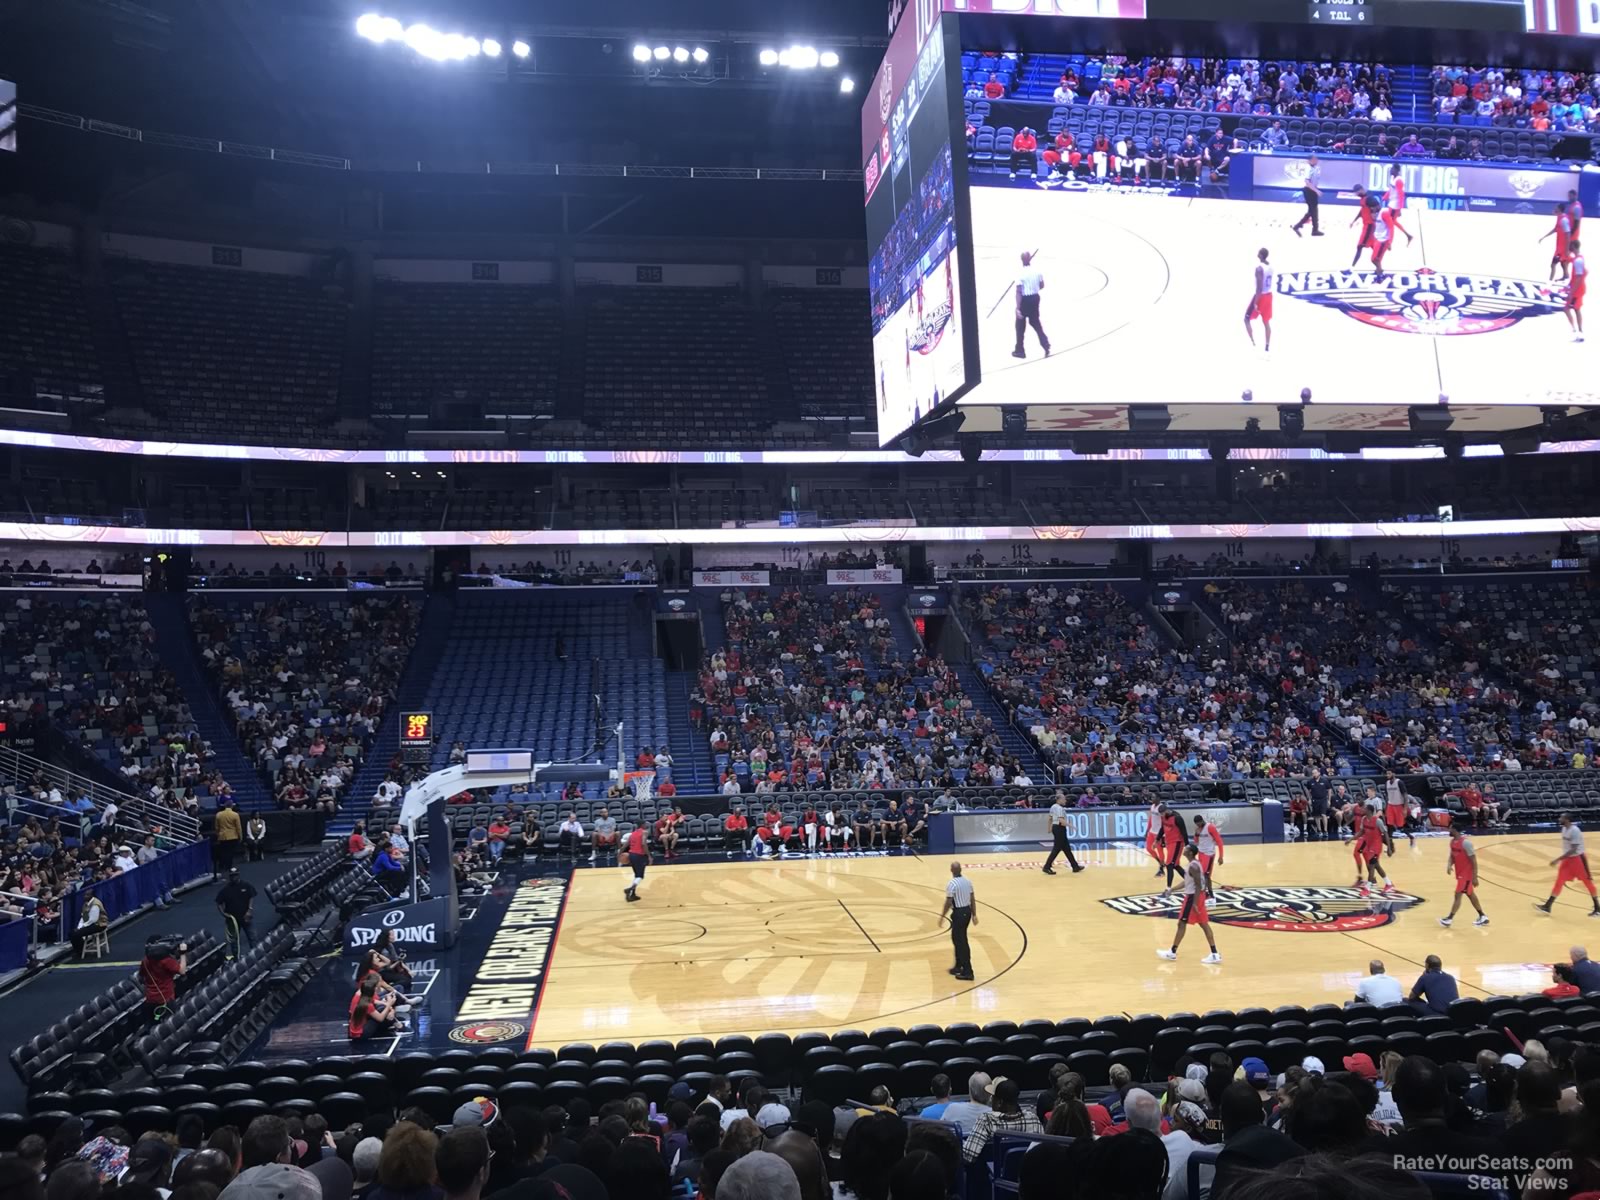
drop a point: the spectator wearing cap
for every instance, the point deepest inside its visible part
(759, 1175)
(364, 1166)
(1187, 1120)
(1362, 1065)
(965, 1114)
(1256, 1074)
(1379, 988)
(1435, 989)
(478, 1113)
(273, 1181)
(1005, 1113)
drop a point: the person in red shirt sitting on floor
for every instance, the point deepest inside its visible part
(370, 1016)
(1024, 148)
(994, 89)
(735, 829)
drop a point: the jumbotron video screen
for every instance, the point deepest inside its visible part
(1143, 289)
(914, 272)
(8, 115)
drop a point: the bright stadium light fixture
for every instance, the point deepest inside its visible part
(828, 59)
(701, 54)
(370, 26)
(784, 59)
(663, 53)
(680, 55)
(425, 40)
(847, 85)
(491, 47)
(641, 53)
(521, 49)
(769, 58)
(474, 47)
(802, 58)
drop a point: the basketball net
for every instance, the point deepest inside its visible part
(642, 783)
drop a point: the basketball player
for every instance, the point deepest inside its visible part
(1030, 283)
(1576, 287)
(1573, 864)
(1312, 191)
(1193, 911)
(1208, 839)
(1395, 199)
(1171, 846)
(1261, 300)
(1152, 835)
(1395, 806)
(1562, 230)
(838, 829)
(1381, 235)
(1463, 865)
(635, 853)
(808, 822)
(1364, 215)
(1369, 842)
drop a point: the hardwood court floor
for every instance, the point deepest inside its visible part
(795, 945)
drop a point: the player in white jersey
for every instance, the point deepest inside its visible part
(1193, 911)
(1261, 300)
(1208, 840)
(1571, 865)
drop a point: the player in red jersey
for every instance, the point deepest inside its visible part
(1370, 838)
(1172, 840)
(1366, 216)
(809, 823)
(1395, 199)
(1193, 911)
(1572, 866)
(1577, 285)
(1463, 865)
(1261, 300)
(1381, 234)
(1562, 229)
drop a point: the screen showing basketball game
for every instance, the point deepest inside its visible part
(8, 115)
(914, 272)
(1125, 295)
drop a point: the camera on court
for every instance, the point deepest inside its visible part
(164, 945)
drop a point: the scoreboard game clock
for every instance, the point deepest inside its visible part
(416, 736)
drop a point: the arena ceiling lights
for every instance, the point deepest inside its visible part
(801, 58)
(430, 43)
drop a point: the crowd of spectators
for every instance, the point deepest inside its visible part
(1353, 1129)
(307, 683)
(316, 573)
(1088, 679)
(812, 693)
(89, 667)
(1560, 101)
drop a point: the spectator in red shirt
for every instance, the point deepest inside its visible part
(667, 788)
(158, 974)
(645, 759)
(360, 848)
(1024, 151)
(370, 1016)
(735, 830)
(994, 89)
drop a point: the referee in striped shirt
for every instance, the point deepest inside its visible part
(1058, 832)
(961, 906)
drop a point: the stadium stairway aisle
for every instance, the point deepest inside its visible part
(693, 772)
(1013, 741)
(175, 643)
(1413, 97)
(433, 630)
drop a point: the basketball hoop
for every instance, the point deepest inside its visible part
(641, 783)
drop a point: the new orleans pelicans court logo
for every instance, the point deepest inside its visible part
(1426, 301)
(483, 1033)
(1284, 909)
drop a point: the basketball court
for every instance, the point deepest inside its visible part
(794, 945)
